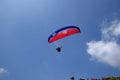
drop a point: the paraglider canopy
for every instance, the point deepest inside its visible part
(63, 32)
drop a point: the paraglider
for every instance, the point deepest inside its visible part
(62, 33)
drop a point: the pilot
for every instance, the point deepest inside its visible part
(58, 49)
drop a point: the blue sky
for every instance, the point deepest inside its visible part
(25, 26)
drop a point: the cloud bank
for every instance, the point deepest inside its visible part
(3, 71)
(107, 50)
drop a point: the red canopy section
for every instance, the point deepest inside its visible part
(63, 32)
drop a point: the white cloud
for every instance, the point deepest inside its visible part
(3, 71)
(107, 50)
(111, 30)
(117, 30)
